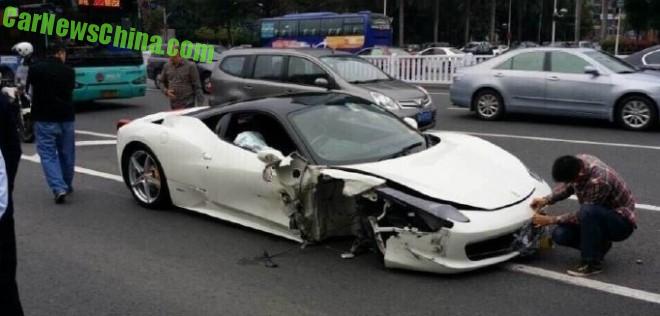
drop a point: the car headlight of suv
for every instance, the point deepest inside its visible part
(385, 101)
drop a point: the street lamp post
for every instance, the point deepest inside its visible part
(508, 30)
(555, 15)
(618, 31)
(385, 7)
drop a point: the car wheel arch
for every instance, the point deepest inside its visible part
(619, 103)
(481, 89)
(162, 202)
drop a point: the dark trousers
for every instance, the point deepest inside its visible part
(10, 304)
(597, 227)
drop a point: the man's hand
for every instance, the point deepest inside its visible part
(538, 203)
(170, 94)
(540, 220)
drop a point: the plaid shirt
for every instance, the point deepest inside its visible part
(600, 185)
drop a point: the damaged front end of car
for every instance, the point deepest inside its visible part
(410, 230)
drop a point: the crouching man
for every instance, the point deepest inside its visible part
(606, 215)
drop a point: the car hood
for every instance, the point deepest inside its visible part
(648, 77)
(395, 89)
(461, 169)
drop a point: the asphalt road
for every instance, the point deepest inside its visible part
(101, 254)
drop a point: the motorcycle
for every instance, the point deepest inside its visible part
(22, 104)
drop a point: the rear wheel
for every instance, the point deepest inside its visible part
(488, 105)
(145, 178)
(637, 113)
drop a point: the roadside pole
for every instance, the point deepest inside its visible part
(618, 30)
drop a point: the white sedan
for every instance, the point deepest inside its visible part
(314, 166)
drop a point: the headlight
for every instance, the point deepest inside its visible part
(385, 101)
(140, 80)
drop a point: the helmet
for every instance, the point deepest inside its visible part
(23, 49)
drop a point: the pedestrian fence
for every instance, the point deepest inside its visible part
(431, 69)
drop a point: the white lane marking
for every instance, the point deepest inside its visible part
(597, 285)
(91, 172)
(95, 134)
(95, 142)
(646, 207)
(561, 140)
(439, 93)
(588, 283)
(453, 108)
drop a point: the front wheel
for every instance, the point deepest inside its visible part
(637, 113)
(145, 178)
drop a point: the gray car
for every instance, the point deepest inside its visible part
(253, 73)
(560, 81)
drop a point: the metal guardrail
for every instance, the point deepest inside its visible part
(432, 69)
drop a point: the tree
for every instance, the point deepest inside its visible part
(655, 18)
(637, 15)
(604, 11)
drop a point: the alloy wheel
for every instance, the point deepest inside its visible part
(144, 177)
(488, 105)
(636, 114)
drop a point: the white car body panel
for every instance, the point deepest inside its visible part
(208, 175)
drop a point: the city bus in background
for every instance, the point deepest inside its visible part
(102, 72)
(348, 31)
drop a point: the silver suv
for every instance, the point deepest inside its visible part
(253, 73)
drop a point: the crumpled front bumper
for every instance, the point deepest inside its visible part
(446, 251)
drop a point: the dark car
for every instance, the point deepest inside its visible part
(156, 62)
(254, 73)
(478, 48)
(646, 59)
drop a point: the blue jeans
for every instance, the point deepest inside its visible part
(57, 149)
(597, 227)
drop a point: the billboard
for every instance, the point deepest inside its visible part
(100, 3)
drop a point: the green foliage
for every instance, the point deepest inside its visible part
(626, 45)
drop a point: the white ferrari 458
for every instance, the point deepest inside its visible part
(313, 166)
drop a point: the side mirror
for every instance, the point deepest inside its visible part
(322, 82)
(591, 71)
(270, 156)
(411, 122)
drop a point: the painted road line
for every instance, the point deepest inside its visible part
(95, 134)
(91, 172)
(561, 140)
(646, 207)
(592, 284)
(95, 142)
(587, 283)
(454, 108)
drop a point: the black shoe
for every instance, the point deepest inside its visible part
(60, 198)
(70, 190)
(586, 269)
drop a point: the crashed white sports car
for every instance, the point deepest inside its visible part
(312, 166)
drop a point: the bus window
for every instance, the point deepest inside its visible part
(268, 29)
(380, 22)
(331, 27)
(310, 28)
(288, 29)
(353, 26)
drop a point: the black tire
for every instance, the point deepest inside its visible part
(488, 105)
(205, 79)
(637, 113)
(162, 199)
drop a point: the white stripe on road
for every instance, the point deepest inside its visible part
(548, 274)
(91, 172)
(95, 142)
(588, 283)
(561, 140)
(646, 207)
(454, 108)
(95, 134)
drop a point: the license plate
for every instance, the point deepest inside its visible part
(425, 117)
(109, 94)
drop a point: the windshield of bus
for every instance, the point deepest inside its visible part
(354, 69)
(99, 56)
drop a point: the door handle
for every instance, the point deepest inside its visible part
(206, 156)
(499, 75)
(553, 78)
(249, 87)
(290, 91)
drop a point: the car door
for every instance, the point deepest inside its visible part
(522, 81)
(302, 73)
(267, 77)
(233, 178)
(570, 90)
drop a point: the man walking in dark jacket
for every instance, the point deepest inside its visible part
(10, 148)
(52, 111)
